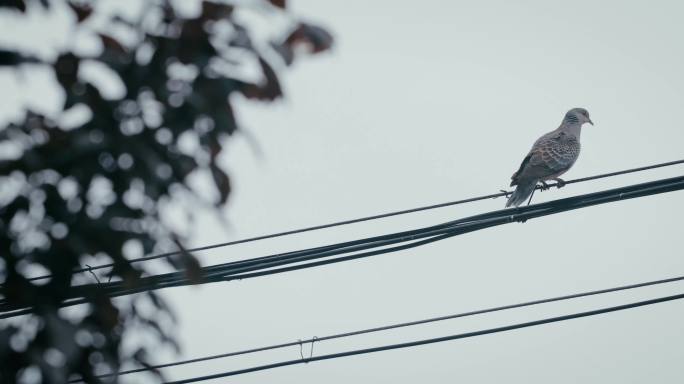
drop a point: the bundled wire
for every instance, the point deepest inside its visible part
(90, 269)
(362, 248)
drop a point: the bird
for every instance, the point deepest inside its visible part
(552, 155)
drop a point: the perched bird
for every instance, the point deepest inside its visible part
(551, 156)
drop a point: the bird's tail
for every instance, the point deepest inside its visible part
(521, 193)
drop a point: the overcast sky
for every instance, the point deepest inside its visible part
(430, 101)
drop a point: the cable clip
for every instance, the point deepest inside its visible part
(301, 349)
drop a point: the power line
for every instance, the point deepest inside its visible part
(435, 340)
(236, 270)
(400, 325)
(376, 245)
(263, 266)
(362, 219)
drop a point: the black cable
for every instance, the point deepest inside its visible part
(399, 325)
(362, 219)
(231, 271)
(163, 281)
(435, 340)
(216, 273)
(297, 259)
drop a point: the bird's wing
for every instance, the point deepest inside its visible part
(523, 165)
(550, 155)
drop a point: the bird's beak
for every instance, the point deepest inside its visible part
(589, 121)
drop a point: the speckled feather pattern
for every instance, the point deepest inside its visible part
(551, 156)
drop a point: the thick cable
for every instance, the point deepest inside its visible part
(362, 219)
(297, 259)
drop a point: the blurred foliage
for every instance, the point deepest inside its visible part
(85, 192)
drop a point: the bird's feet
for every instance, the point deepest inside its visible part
(560, 183)
(544, 186)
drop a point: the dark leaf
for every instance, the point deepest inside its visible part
(106, 313)
(269, 89)
(160, 304)
(285, 51)
(241, 38)
(193, 46)
(140, 356)
(16, 4)
(315, 38)
(193, 270)
(112, 45)
(222, 182)
(278, 3)
(81, 10)
(188, 263)
(224, 119)
(66, 69)
(215, 11)
(8, 58)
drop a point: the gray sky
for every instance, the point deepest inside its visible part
(431, 101)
